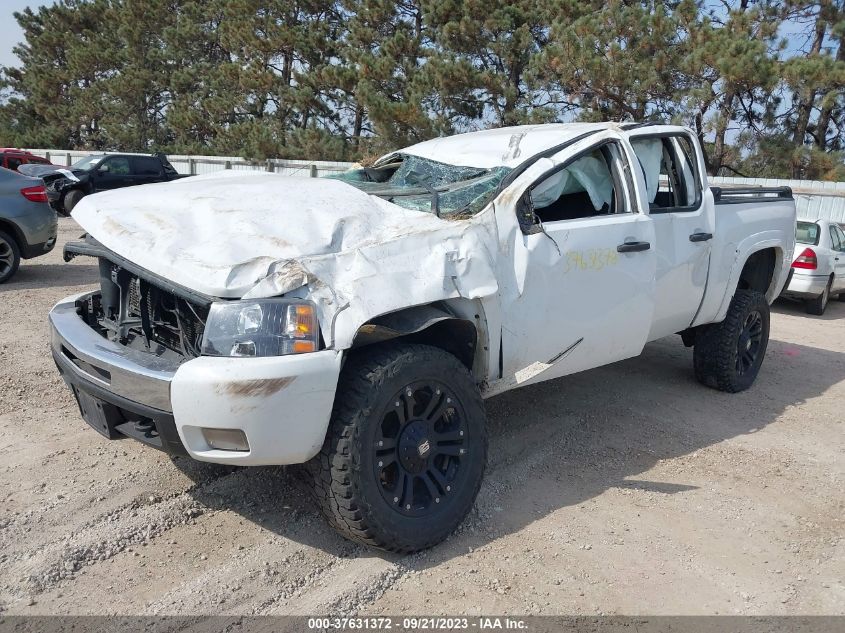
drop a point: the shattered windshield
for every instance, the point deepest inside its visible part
(422, 184)
(88, 162)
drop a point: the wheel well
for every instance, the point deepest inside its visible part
(10, 229)
(427, 325)
(758, 271)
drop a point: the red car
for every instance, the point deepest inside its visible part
(11, 158)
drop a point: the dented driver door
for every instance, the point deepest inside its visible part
(584, 272)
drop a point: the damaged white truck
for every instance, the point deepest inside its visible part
(354, 324)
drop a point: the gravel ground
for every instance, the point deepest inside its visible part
(630, 489)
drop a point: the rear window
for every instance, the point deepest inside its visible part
(145, 166)
(807, 233)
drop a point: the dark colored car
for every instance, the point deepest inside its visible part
(11, 158)
(27, 223)
(100, 172)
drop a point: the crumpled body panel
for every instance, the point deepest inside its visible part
(261, 235)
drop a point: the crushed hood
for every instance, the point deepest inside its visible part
(223, 234)
(249, 235)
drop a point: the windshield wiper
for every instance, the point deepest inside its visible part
(420, 180)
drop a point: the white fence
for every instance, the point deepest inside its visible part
(193, 165)
(814, 199)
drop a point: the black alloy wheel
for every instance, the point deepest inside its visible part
(419, 448)
(405, 450)
(750, 339)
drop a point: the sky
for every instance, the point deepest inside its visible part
(10, 33)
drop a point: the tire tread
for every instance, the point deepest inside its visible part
(330, 472)
(714, 354)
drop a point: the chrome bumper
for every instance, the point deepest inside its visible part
(133, 375)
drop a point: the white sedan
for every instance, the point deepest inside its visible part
(818, 271)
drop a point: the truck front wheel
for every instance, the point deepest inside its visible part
(406, 448)
(727, 355)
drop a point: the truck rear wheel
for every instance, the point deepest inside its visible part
(10, 257)
(727, 355)
(406, 448)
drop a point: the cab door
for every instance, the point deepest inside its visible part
(584, 268)
(113, 172)
(684, 224)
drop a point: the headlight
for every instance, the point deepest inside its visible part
(263, 327)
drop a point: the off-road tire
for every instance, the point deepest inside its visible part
(818, 305)
(716, 351)
(343, 475)
(71, 199)
(10, 256)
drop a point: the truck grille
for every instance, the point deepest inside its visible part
(137, 311)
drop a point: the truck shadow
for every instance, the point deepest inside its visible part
(563, 442)
(33, 275)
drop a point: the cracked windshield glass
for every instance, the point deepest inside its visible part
(422, 184)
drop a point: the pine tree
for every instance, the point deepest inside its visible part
(58, 92)
(485, 50)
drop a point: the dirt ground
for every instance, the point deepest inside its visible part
(630, 489)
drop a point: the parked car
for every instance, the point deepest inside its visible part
(101, 172)
(11, 158)
(355, 324)
(818, 272)
(27, 223)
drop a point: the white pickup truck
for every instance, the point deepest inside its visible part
(355, 324)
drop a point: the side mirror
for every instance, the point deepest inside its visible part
(103, 169)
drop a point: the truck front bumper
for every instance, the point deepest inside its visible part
(280, 406)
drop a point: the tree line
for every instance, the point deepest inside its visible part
(760, 81)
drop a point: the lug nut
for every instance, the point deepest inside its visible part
(395, 499)
(408, 507)
(381, 464)
(448, 488)
(437, 500)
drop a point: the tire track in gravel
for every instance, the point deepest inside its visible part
(106, 535)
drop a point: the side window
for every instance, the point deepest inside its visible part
(670, 173)
(835, 242)
(146, 166)
(14, 163)
(590, 185)
(841, 236)
(118, 166)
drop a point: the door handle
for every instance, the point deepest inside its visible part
(700, 237)
(633, 247)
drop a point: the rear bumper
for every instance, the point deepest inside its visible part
(34, 250)
(805, 286)
(281, 404)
